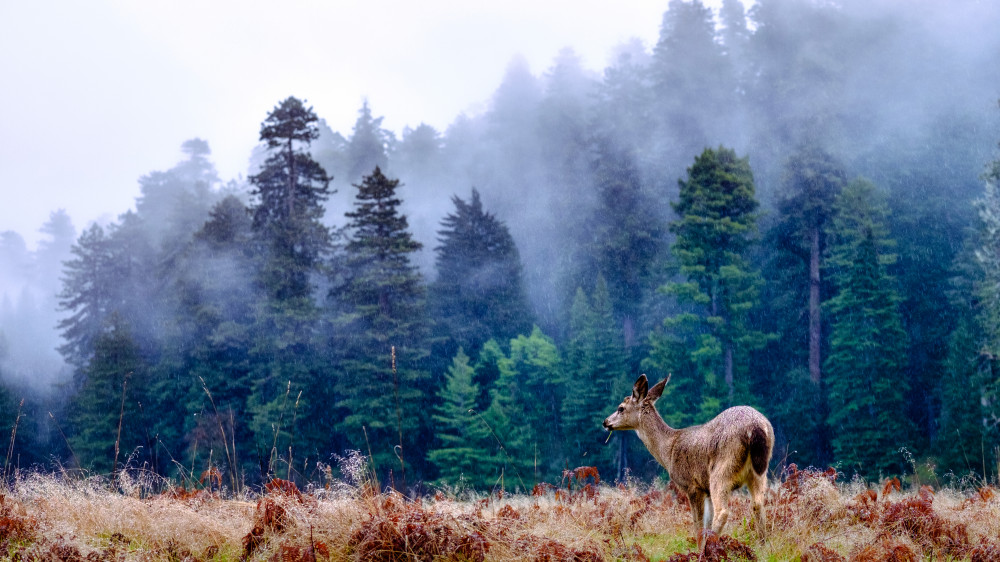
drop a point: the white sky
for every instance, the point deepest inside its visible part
(96, 93)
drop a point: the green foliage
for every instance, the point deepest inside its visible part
(525, 408)
(465, 446)
(796, 284)
(112, 387)
(290, 246)
(964, 383)
(478, 294)
(866, 367)
(289, 191)
(382, 307)
(626, 236)
(224, 298)
(717, 220)
(366, 149)
(597, 376)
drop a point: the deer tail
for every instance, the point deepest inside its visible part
(760, 450)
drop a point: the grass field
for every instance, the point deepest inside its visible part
(810, 517)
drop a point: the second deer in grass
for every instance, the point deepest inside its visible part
(711, 460)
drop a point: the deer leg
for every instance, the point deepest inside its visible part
(719, 493)
(697, 501)
(758, 489)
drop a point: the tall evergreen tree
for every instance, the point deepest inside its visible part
(596, 373)
(812, 181)
(524, 412)
(796, 285)
(109, 274)
(463, 438)
(418, 154)
(175, 203)
(53, 251)
(627, 237)
(987, 292)
(966, 397)
(288, 196)
(292, 242)
(692, 94)
(369, 144)
(866, 367)
(108, 423)
(479, 292)
(716, 224)
(85, 296)
(383, 307)
(218, 299)
(623, 102)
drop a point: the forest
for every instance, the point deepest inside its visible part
(793, 206)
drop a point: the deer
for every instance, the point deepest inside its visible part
(707, 461)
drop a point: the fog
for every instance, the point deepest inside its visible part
(903, 93)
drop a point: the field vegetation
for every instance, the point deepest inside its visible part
(811, 516)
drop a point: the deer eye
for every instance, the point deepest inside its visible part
(621, 409)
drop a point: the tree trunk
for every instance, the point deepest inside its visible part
(814, 310)
(290, 196)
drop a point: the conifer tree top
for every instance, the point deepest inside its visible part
(288, 121)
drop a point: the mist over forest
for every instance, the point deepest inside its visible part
(793, 206)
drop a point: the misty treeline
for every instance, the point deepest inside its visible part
(793, 208)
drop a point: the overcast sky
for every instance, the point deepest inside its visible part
(95, 94)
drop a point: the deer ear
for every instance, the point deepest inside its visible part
(640, 388)
(657, 390)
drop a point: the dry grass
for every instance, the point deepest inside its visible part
(810, 517)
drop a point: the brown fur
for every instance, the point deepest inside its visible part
(705, 461)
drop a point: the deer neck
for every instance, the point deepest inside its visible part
(658, 437)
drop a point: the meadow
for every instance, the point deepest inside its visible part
(811, 516)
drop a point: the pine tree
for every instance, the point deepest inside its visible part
(479, 293)
(693, 96)
(292, 243)
(383, 306)
(987, 292)
(463, 437)
(108, 274)
(536, 360)
(513, 459)
(866, 380)
(596, 372)
(797, 283)
(627, 237)
(418, 154)
(111, 389)
(368, 146)
(288, 196)
(624, 102)
(965, 377)
(53, 251)
(717, 220)
(175, 203)
(218, 295)
(85, 296)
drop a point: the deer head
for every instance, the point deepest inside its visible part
(631, 409)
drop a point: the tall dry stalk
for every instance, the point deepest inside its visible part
(295, 416)
(399, 416)
(121, 416)
(63, 435)
(272, 458)
(502, 448)
(13, 436)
